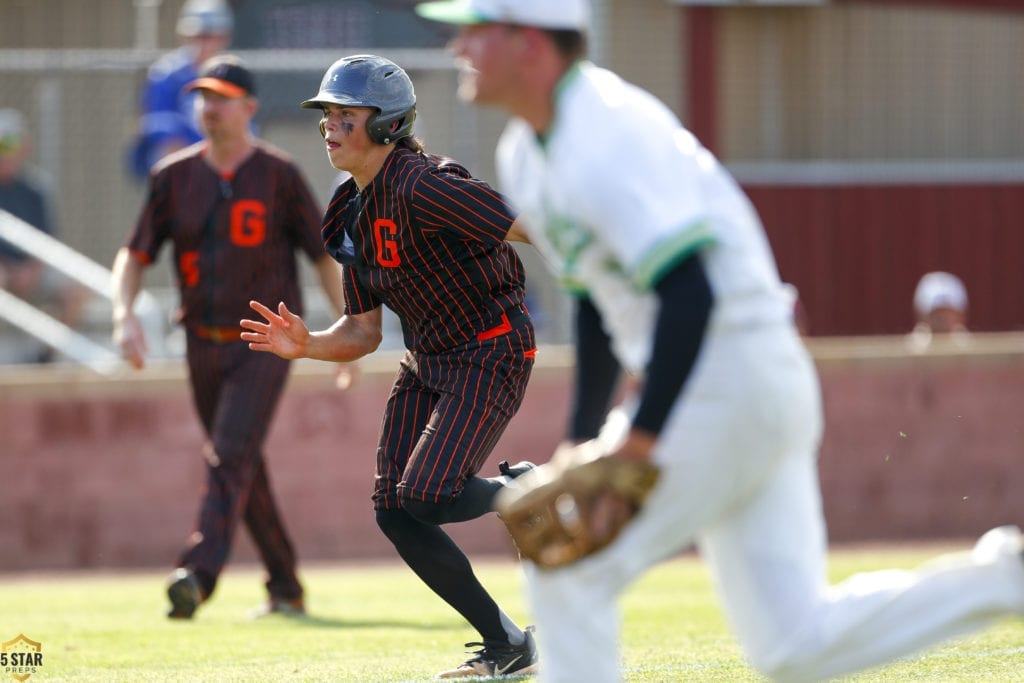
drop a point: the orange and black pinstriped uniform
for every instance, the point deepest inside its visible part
(427, 240)
(234, 239)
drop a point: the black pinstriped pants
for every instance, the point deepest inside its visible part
(447, 411)
(236, 392)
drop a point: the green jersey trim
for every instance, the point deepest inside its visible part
(667, 253)
(574, 287)
(570, 75)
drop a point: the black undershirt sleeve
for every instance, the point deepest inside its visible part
(597, 373)
(685, 305)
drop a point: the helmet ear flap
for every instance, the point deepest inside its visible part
(378, 134)
(384, 130)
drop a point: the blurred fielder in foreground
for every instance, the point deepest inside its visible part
(721, 449)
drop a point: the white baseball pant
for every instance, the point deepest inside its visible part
(740, 481)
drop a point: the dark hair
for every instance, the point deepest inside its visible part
(412, 143)
(570, 43)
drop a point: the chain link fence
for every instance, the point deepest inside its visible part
(829, 93)
(81, 106)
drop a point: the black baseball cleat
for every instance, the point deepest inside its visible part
(497, 659)
(514, 471)
(184, 593)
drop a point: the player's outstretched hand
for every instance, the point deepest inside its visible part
(283, 333)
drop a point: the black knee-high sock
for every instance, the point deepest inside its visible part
(440, 564)
(475, 500)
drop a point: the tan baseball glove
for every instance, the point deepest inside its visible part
(574, 505)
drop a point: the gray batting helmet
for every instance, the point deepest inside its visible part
(371, 81)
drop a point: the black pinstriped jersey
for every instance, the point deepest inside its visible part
(234, 237)
(427, 240)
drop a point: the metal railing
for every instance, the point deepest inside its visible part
(52, 332)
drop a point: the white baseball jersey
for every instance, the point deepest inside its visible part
(617, 193)
(612, 232)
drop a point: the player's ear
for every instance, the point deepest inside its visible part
(253, 105)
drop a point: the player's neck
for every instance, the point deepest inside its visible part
(536, 103)
(227, 155)
(370, 165)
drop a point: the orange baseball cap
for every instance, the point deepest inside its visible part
(225, 75)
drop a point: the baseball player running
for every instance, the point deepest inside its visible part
(729, 412)
(236, 210)
(417, 233)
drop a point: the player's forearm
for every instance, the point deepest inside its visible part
(686, 301)
(126, 282)
(596, 374)
(346, 340)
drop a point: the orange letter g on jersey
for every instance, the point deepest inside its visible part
(248, 222)
(384, 233)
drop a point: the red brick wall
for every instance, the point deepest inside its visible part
(106, 473)
(924, 447)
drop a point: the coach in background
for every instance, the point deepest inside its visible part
(236, 210)
(416, 233)
(729, 413)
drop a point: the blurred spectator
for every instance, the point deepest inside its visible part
(168, 116)
(940, 305)
(25, 196)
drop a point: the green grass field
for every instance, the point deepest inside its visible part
(376, 622)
